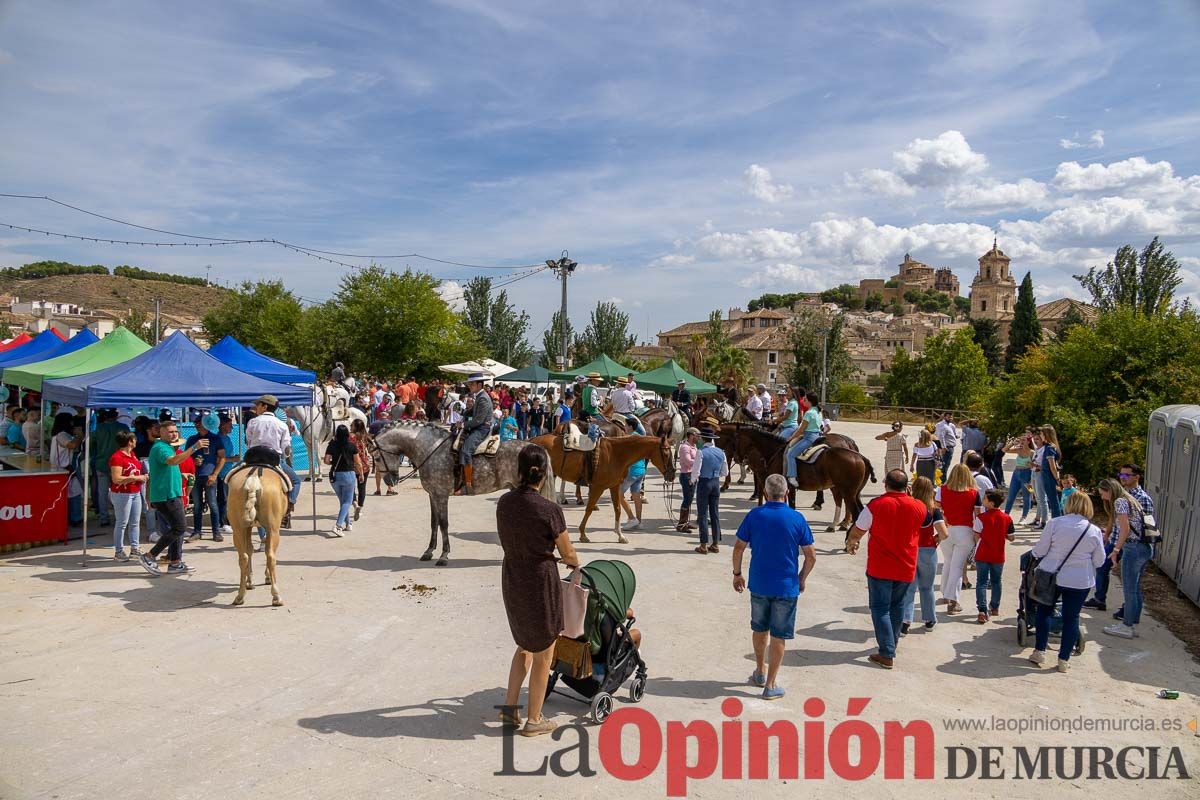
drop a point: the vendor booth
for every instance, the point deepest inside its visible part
(233, 353)
(16, 341)
(46, 346)
(175, 374)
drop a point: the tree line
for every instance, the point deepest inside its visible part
(51, 269)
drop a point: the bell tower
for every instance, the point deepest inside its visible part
(994, 290)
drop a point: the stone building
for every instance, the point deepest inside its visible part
(912, 275)
(994, 290)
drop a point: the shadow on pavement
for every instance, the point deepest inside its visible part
(700, 690)
(446, 718)
(394, 563)
(801, 657)
(824, 631)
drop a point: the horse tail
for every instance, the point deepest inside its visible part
(870, 469)
(253, 488)
(547, 491)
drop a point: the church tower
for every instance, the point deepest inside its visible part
(994, 290)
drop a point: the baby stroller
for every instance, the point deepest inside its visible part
(614, 656)
(1027, 608)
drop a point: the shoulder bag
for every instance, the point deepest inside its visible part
(1045, 582)
(574, 604)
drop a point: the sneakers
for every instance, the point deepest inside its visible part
(1092, 602)
(929, 625)
(758, 679)
(982, 618)
(179, 569)
(538, 728)
(953, 608)
(1038, 657)
(134, 552)
(632, 525)
(792, 482)
(349, 527)
(1121, 630)
(192, 536)
(337, 531)
(773, 693)
(357, 511)
(1063, 666)
(882, 661)
(218, 537)
(154, 537)
(904, 626)
(714, 548)
(993, 612)
(262, 543)
(1119, 613)
(226, 529)
(120, 555)
(149, 564)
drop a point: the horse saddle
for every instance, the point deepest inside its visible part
(488, 447)
(339, 412)
(810, 455)
(247, 465)
(575, 439)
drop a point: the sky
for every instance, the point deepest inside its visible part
(688, 155)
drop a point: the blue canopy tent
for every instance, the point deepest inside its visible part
(46, 344)
(231, 352)
(175, 373)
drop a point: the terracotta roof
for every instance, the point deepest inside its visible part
(774, 338)
(770, 313)
(650, 351)
(691, 328)
(1057, 309)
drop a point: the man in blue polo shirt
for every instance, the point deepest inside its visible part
(777, 534)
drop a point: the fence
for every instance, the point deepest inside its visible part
(877, 413)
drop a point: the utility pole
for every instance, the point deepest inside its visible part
(824, 361)
(157, 307)
(563, 268)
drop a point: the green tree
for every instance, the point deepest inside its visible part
(1145, 282)
(951, 373)
(552, 341)
(721, 358)
(264, 315)
(1098, 385)
(805, 343)
(607, 332)
(874, 302)
(962, 306)
(477, 305)
(846, 295)
(930, 300)
(139, 323)
(497, 323)
(396, 323)
(5, 329)
(851, 393)
(896, 307)
(986, 333)
(1025, 331)
(771, 300)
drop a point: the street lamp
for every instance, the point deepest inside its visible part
(563, 267)
(824, 331)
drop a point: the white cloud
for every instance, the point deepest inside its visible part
(759, 184)
(616, 301)
(1096, 221)
(923, 163)
(1071, 176)
(992, 196)
(792, 276)
(1096, 141)
(672, 260)
(452, 293)
(584, 269)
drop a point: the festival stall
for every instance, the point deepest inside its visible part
(47, 344)
(16, 341)
(175, 374)
(608, 369)
(233, 353)
(487, 366)
(666, 378)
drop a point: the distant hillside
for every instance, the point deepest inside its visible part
(116, 293)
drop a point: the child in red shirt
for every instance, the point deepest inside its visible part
(993, 530)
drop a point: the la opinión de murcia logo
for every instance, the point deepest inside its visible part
(853, 750)
(15, 512)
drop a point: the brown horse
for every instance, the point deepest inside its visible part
(257, 497)
(613, 457)
(839, 469)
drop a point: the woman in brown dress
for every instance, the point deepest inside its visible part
(531, 528)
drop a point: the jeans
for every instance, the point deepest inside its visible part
(987, 575)
(802, 444)
(1019, 485)
(172, 538)
(128, 506)
(1103, 573)
(947, 459)
(535, 431)
(1134, 557)
(1072, 602)
(1050, 490)
(708, 496)
(223, 500)
(927, 561)
(956, 550)
(75, 510)
(297, 484)
(103, 484)
(689, 491)
(344, 485)
(886, 598)
(205, 493)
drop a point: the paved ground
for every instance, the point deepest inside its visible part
(113, 684)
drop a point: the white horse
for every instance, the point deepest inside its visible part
(333, 408)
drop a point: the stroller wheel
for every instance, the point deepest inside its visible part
(602, 706)
(637, 689)
(1022, 632)
(1079, 645)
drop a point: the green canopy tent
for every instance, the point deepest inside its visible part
(665, 378)
(531, 374)
(118, 347)
(609, 370)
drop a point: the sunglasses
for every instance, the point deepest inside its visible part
(1124, 474)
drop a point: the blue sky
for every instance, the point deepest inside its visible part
(689, 155)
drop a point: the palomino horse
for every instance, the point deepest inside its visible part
(843, 471)
(613, 457)
(428, 446)
(257, 498)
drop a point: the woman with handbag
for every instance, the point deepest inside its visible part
(531, 528)
(960, 501)
(341, 455)
(1070, 551)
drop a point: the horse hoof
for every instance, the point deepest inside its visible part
(276, 602)
(237, 601)
(621, 539)
(443, 561)
(830, 529)
(250, 585)
(584, 538)
(427, 555)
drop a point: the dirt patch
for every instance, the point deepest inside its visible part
(418, 589)
(1176, 611)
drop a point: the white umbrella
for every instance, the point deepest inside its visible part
(487, 366)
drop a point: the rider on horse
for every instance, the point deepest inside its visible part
(682, 399)
(591, 396)
(623, 402)
(477, 426)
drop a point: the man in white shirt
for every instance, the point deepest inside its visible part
(765, 396)
(267, 430)
(947, 433)
(754, 406)
(624, 402)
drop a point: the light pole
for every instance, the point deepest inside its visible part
(824, 361)
(562, 268)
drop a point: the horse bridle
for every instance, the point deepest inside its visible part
(388, 467)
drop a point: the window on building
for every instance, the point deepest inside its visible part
(771, 375)
(1006, 304)
(772, 357)
(983, 305)
(989, 273)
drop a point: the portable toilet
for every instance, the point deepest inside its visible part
(1160, 446)
(1182, 487)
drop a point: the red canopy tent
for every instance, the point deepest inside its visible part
(16, 341)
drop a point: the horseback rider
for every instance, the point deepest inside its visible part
(268, 430)
(592, 397)
(812, 429)
(682, 399)
(477, 426)
(624, 403)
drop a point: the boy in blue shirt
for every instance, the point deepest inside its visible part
(633, 484)
(209, 459)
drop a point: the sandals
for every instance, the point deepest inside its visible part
(511, 718)
(712, 548)
(701, 549)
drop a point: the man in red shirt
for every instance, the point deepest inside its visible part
(894, 521)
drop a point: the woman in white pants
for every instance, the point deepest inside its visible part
(960, 503)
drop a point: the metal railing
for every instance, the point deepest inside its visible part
(879, 413)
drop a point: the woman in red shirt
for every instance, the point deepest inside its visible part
(125, 491)
(927, 549)
(960, 503)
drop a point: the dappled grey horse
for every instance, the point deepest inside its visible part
(429, 448)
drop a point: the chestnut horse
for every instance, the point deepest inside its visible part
(840, 469)
(613, 457)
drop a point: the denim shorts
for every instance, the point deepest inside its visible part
(774, 614)
(632, 485)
